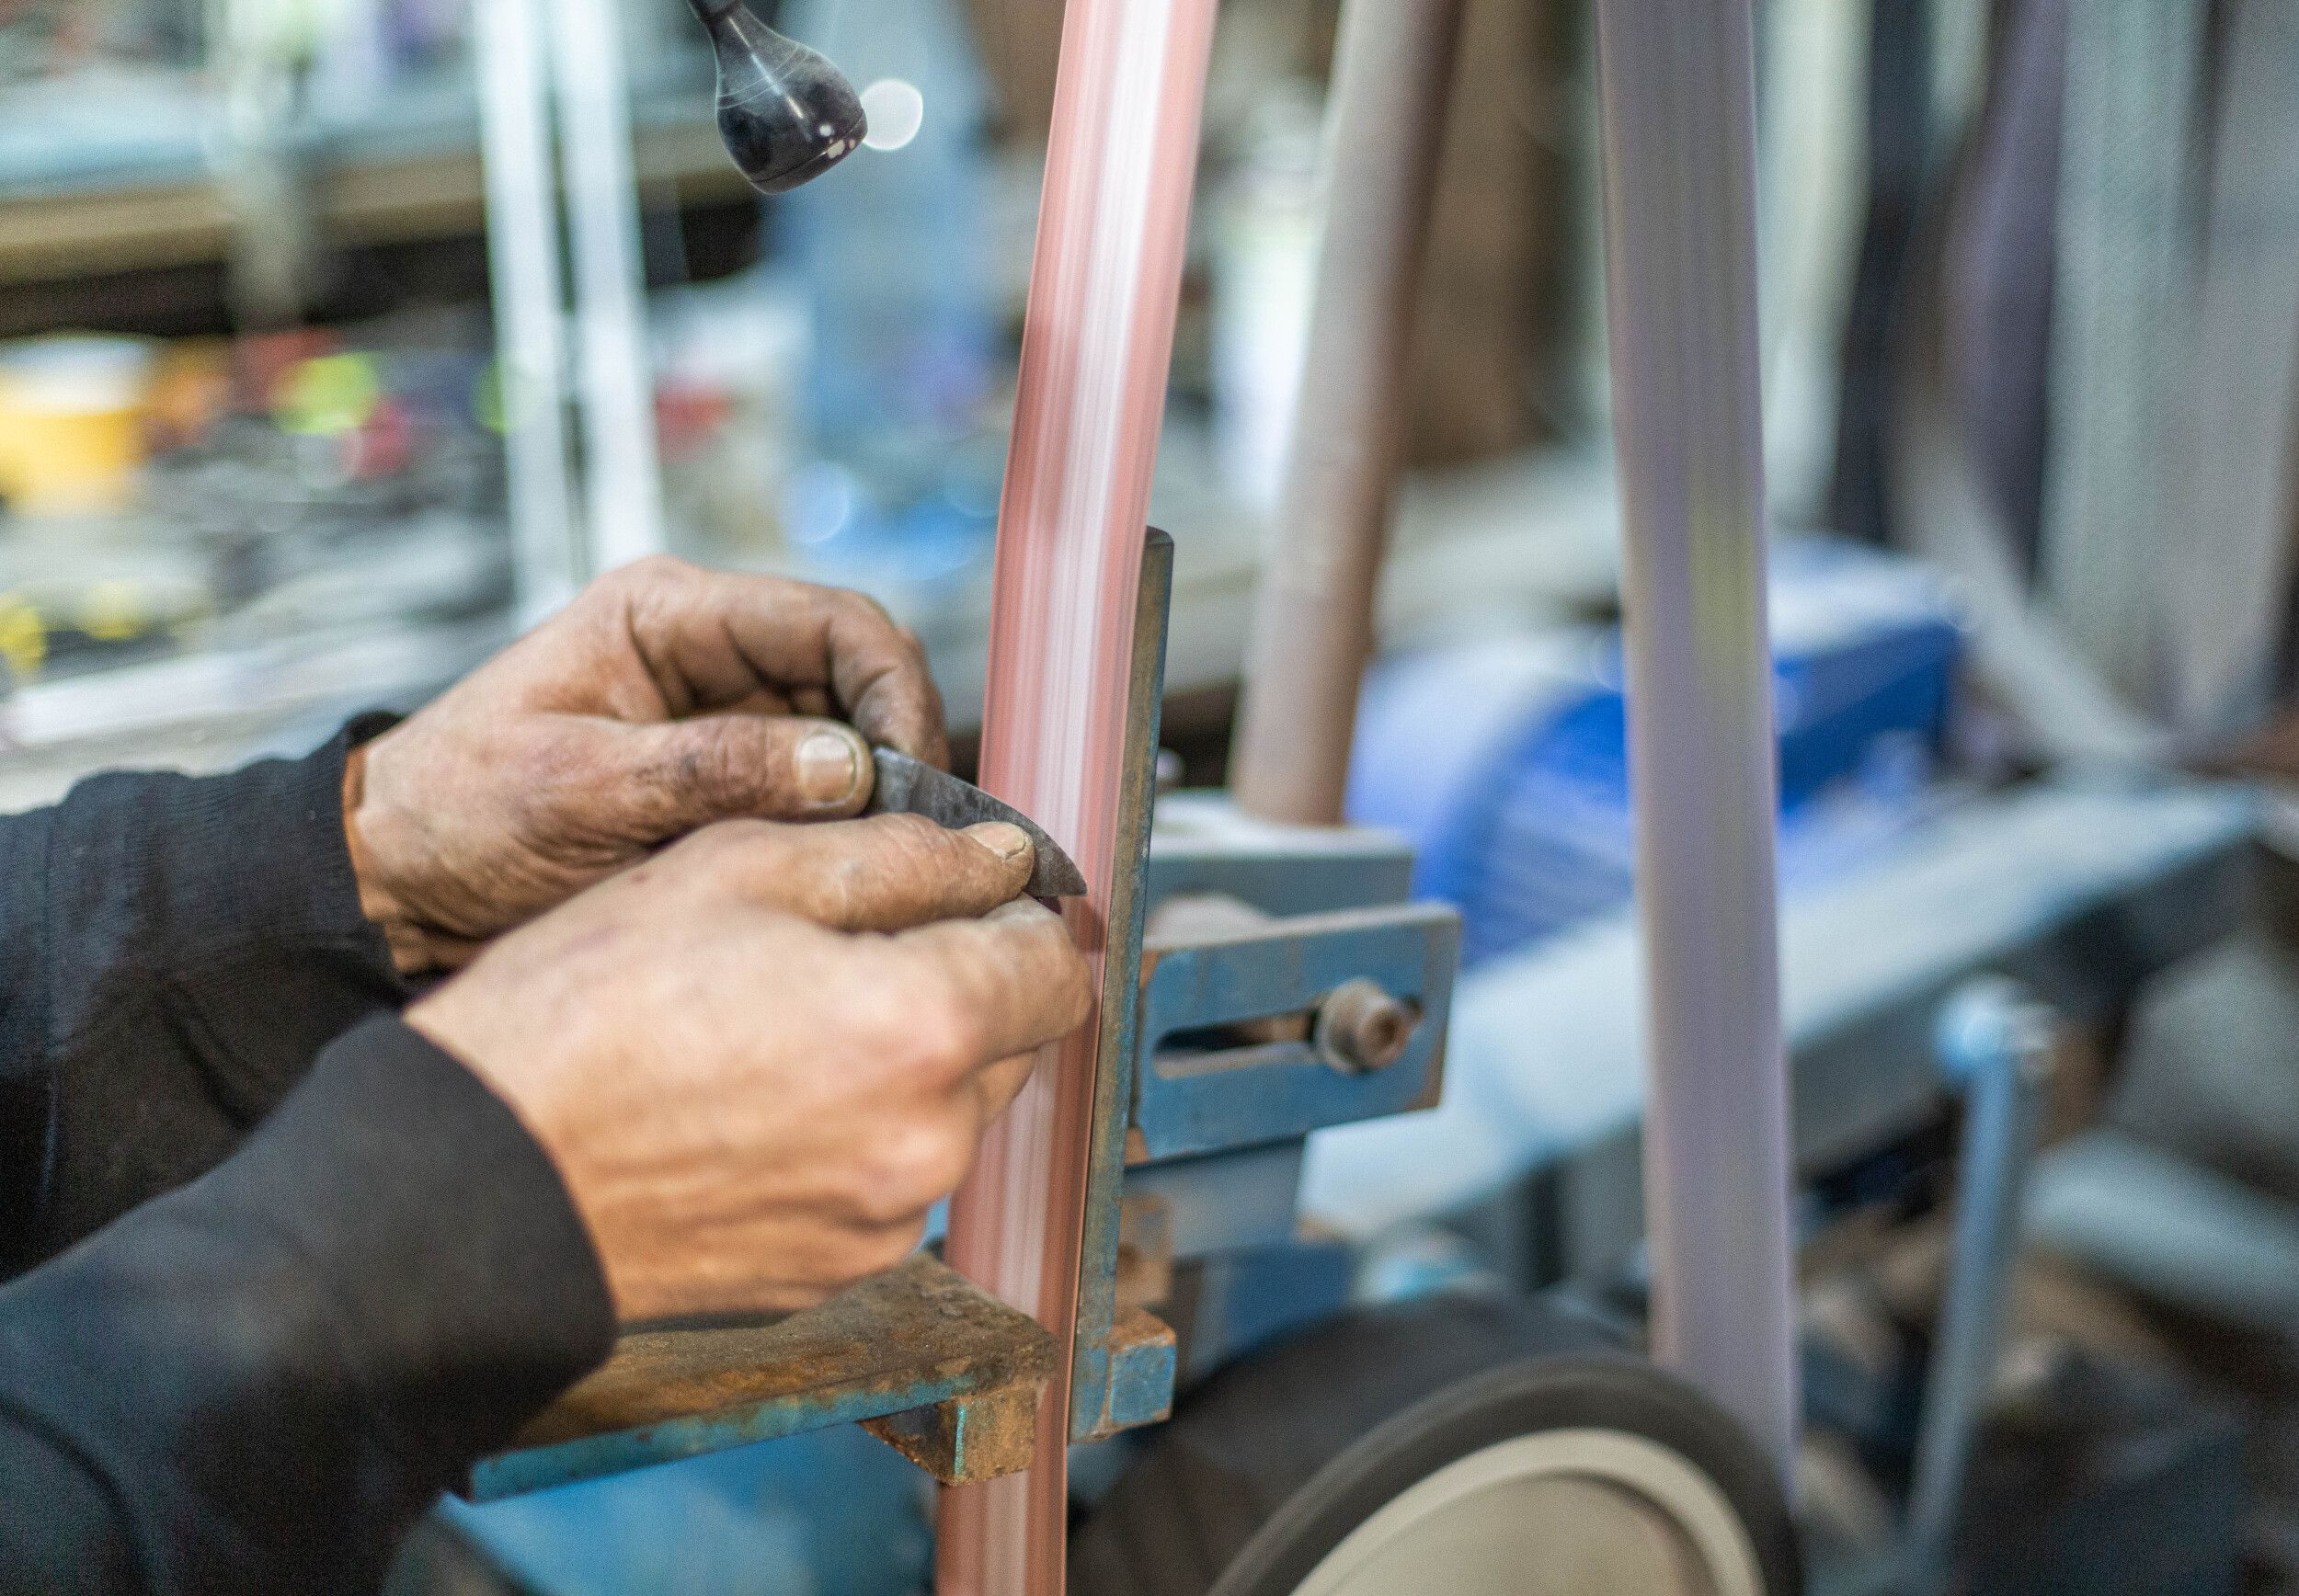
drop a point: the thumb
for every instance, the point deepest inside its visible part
(683, 775)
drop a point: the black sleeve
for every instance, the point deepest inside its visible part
(258, 1382)
(174, 952)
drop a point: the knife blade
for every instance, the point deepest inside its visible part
(901, 785)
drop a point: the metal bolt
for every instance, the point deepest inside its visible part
(1360, 1028)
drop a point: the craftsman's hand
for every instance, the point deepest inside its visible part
(759, 1058)
(662, 699)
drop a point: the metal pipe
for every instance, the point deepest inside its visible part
(523, 269)
(624, 505)
(1313, 616)
(1676, 92)
(1996, 1039)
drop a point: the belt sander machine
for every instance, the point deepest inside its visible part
(1267, 975)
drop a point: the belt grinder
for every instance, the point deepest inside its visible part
(1318, 996)
(1286, 986)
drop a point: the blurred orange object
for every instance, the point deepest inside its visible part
(190, 393)
(72, 423)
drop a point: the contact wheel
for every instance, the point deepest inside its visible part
(1453, 1446)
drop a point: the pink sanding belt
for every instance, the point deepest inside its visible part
(1095, 345)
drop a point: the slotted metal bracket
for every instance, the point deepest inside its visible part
(1204, 1102)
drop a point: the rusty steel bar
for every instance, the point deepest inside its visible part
(1313, 616)
(1096, 340)
(1121, 1371)
(1677, 98)
(919, 1354)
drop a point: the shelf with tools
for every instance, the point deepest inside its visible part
(69, 208)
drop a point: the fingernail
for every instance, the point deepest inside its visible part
(1004, 841)
(826, 768)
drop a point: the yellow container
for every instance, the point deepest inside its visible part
(72, 423)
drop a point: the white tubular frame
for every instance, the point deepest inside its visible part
(623, 504)
(523, 266)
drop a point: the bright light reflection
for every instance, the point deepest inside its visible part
(895, 109)
(817, 502)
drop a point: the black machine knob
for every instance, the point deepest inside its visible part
(787, 114)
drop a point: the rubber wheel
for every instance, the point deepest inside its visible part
(1477, 1444)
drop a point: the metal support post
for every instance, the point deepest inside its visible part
(523, 266)
(623, 506)
(522, 48)
(1676, 96)
(1997, 1039)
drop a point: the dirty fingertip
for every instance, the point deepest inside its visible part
(1008, 843)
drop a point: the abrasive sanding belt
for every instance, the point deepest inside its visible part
(1095, 345)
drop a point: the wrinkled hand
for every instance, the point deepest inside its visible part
(664, 698)
(757, 1058)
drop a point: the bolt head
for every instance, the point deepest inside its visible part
(1360, 1028)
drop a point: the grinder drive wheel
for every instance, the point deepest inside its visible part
(1474, 1448)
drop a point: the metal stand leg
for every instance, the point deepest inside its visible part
(1996, 1038)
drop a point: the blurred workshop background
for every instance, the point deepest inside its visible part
(2031, 355)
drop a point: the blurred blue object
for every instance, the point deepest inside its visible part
(1505, 762)
(893, 257)
(833, 1512)
(894, 253)
(1419, 1259)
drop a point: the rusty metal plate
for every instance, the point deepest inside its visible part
(917, 1336)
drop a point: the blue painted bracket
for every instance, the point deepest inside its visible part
(1204, 1099)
